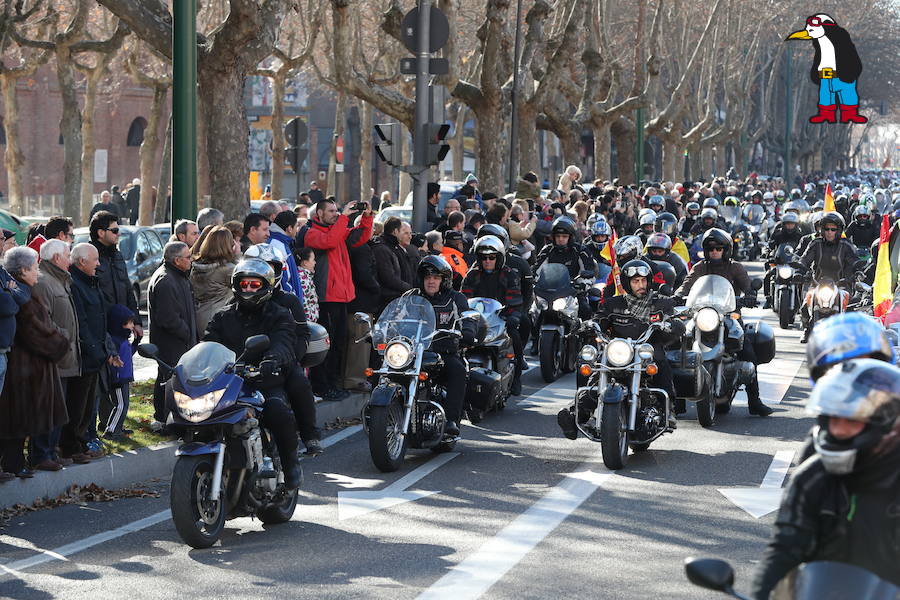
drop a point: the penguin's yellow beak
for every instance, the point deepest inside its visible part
(799, 35)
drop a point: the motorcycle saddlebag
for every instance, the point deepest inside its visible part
(687, 379)
(761, 336)
(483, 384)
(319, 343)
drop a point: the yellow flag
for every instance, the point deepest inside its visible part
(881, 293)
(680, 248)
(829, 199)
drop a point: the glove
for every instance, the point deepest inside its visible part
(749, 302)
(468, 339)
(268, 368)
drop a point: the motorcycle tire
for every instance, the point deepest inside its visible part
(550, 354)
(785, 315)
(387, 445)
(281, 512)
(198, 520)
(613, 436)
(706, 410)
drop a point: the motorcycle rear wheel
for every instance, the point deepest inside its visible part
(387, 444)
(550, 356)
(613, 436)
(198, 520)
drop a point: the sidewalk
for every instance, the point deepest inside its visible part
(122, 470)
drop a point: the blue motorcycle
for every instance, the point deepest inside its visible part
(228, 464)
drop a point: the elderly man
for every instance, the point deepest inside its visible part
(209, 216)
(269, 209)
(173, 319)
(106, 204)
(186, 232)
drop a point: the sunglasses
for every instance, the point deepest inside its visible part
(717, 249)
(114, 230)
(488, 256)
(817, 22)
(830, 229)
(250, 285)
(637, 271)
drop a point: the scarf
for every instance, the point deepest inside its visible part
(640, 307)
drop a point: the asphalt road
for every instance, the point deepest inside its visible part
(518, 512)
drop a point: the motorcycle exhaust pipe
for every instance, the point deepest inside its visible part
(216, 487)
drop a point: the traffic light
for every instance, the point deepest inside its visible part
(295, 132)
(388, 144)
(436, 149)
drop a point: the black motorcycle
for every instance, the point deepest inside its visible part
(491, 361)
(787, 286)
(556, 305)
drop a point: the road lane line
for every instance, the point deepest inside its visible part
(478, 572)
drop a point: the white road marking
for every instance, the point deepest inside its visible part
(760, 501)
(478, 572)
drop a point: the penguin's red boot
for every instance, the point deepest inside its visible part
(827, 114)
(849, 114)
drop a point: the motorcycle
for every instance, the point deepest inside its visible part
(491, 361)
(626, 411)
(824, 299)
(595, 292)
(787, 286)
(228, 465)
(406, 406)
(809, 581)
(556, 306)
(755, 216)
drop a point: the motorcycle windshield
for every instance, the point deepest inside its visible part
(489, 309)
(754, 214)
(784, 254)
(204, 362)
(826, 579)
(553, 282)
(409, 317)
(731, 214)
(712, 291)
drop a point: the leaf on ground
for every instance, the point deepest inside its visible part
(76, 494)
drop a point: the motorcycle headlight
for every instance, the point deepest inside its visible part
(397, 355)
(825, 295)
(785, 272)
(645, 351)
(559, 304)
(619, 353)
(588, 354)
(199, 408)
(707, 319)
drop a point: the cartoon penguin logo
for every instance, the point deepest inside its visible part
(835, 68)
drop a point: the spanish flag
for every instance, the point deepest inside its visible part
(881, 293)
(829, 198)
(681, 250)
(609, 253)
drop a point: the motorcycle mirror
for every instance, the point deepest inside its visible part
(256, 344)
(666, 290)
(756, 284)
(362, 317)
(148, 350)
(710, 573)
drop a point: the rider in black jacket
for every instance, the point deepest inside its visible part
(252, 313)
(863, 230)
(565, 251)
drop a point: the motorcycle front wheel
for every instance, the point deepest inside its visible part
(613, 435)
(551, 358)
(198, 519)
(785, 313)
(387, 440)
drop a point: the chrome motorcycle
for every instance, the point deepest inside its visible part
(491, 361)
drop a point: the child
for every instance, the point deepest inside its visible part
(307, 268)
(114, 403)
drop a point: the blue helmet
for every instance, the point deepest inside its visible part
(601, 228)
(844, 337)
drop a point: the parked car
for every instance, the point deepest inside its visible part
(142, 248)
(404, 213)
(448, 190)
(164, 230)
(18, 224)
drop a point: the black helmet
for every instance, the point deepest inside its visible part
(716, 237)
(635, 268)
(664, 272)
(495, 230)
(255, 296)
(489, 244)
(434, 265)
(832, 218)
(627, 248)
(666, 223)
(564, 224)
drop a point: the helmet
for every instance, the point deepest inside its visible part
(796, 193)
(756, 196)
(693, 208)
(665, 273)
(593, 218)
(648, 219)
(790, 217)
(600, 228)
(819, 205)
(862, 210)
(710, 203)
(792, 207)
(564, 225)
(769, 197)
(832, 218)
(498, 231)
(815, 218)
(272, 254)
(716, 237)
(844, 337)
(731, 201)
(863, 390)
(635, 268)
(489, 244)
(779, 194)
(709, 213)
(646, 211)
(257, 269)
(627, 248)
(436, 265)
(666, 223)
(656, 200)
(658, 240)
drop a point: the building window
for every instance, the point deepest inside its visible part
(2, 132)
(136, 132)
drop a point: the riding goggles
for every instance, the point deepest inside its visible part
(637, 271)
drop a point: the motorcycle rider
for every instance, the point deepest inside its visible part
(659, 247)
(828, 257)
(667, 223)
(863, 230)
(253, 313)
(565, 251)
(490, 277)
(647, 222)
(629, 315)
(717, 250)
(692, 213)
(435, 284)
(708, 220)
(786, 232)
(600, 232)
(840, 504)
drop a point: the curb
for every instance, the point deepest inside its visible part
(121, 470)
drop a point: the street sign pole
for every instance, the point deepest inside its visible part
(184, 109)
(420, 142)
(788, 117)
(514, 120)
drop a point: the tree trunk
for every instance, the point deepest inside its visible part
(165, 176)
(148, 154)
(740, 157)
(13, 158)
(529, 159)
(70, 128)
(623, 131)
(670, 160)
(459, 143)
(88, 144)
(602, 149)
(278, 144)
(339, 118)
(490, 150)
(367, 122)
(703, 165)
